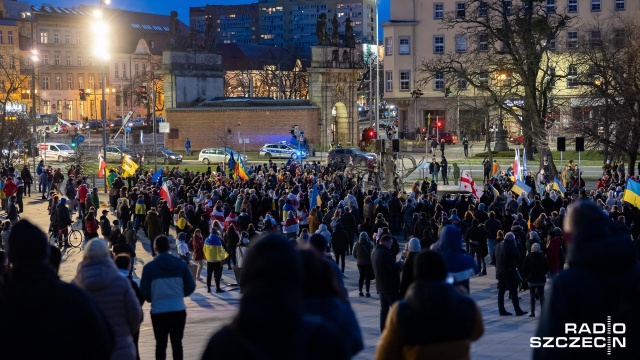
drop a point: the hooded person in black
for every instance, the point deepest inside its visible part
(602, 280)
(270, 323)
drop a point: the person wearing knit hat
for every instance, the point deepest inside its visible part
(413, 248)
(98, 275)
(362, 252)
(421, 306)
(29, 297)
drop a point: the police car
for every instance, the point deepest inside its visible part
(282, 150)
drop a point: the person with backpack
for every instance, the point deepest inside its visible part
(132, 239)
(39, 171)
(105, 225)
(71, 193)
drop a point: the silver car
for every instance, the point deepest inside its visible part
(218, 155)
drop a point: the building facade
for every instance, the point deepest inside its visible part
(231, 23)
(415, 34)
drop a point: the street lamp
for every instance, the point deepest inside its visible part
(501, 133)
(334, 116)
(100, 49)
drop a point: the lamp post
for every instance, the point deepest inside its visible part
(100, 31)
(501, 133)
(34, 59)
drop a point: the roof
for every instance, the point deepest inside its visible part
(16, 8)
(56, 10)
(255, 57)
(8, 22)
(399, 23)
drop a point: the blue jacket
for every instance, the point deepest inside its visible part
(460, 265)
(166, 280)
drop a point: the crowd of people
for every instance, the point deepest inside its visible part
(287, 233)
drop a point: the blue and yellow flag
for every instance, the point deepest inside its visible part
(495, 192)
(519, 187)
(315, 199)
(557, 185)
(632, 193)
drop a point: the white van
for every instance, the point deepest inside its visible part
(56, 151)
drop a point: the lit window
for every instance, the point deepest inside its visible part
(44, 37)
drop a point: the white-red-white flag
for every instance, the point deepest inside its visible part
(164, 193)
(467, 184)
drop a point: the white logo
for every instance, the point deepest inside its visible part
(582, 336)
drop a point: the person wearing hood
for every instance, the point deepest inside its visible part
(243, 220)
(232, 218)
(507, 263)
(122, 247)
(291, 226)
(413, 248)
(63, 220)
(340, 244)
(460, 265)
(215, 254)
(534, 270)
(269, 223)
(154, 227)
(362, 252)
(387, 274)
(166, 281)
(322, 230)
(303, 239)
(241, 253)
(231, 240)
(270, 322)
(98, 275)
(132, 236)
(434, 320)
(600, 285)
(314, 221)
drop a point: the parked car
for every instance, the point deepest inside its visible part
(349, 155)
(115, 125)
(95, 125)
(136, 122)
(116, 153)
(165, 156)
(446, 136)
(282, 150)
(56, 151)
(517, 140)
(218, 155)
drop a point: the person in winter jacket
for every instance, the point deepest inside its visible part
(63, 220)
(434, 320)
(241, 253)
(322, 230)
(460, 265)
(413, 248)
(182, 247)
(387, 273)
(340, 244)
(231, 240)
(165, 281)
(197, 241)
(269, 223)
(291, 226)
(314, 222)
(140, 212)
(215, 255)
(507, 263)
(154, 227)
(476, 239)
(244, 220)
(362, 252)
(554, 253)
(534, 270)
(232, 218)
(98, 275)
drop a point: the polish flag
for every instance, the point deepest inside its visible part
(164, 193)
(103, 165)
(467, 184)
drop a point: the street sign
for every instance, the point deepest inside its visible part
(127, 129)
(163, 127)
(80, 139)
(42, 147)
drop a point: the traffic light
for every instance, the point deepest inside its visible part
(144, 96)
(416, 93)
(447, 92)
(74, 143)
(424, 131)
(439, 124)
(82, 94)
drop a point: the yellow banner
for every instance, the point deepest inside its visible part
(128, 166)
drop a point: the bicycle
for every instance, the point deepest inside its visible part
(74, 238)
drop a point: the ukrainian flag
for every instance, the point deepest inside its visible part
(315, 199)
(557, 185)
(495, 192)
(240, 170)
(632, 193)
(519, 187)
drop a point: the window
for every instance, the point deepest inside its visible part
(596, 5)
(58, 82)
(551, 6)
(45, 59)
(124, 73)
(405, 80)
(552, 44)
(461, 43)
(619, 37)
(388, 80)
(67, 39)
(44, 37)
(552, 76)
(572, 76)
(79, 60)
(116, 71)
(572, 6)
(438, 82)
(10, 37)
(404, 46)
(462, 84)
(118, 99)
(90, 61)
(80, 82)
(572, 39)
(595, 38)
(68, 60)
(45, 83)
(92, 84)
(69, 83)
(483, 9)
(438, 44)
(388, 46)
(438, 10)
(153, 46)
(483, 42)
(620, 5)
(137, 68)
(56, 38)
(56, 59)
(460, 10)
(1, 39)
(483, 78)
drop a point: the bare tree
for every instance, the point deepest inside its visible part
(507, 50)
(12, 81)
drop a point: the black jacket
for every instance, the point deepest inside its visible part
(507, 261)
(535, 268)
(339, 240)
(386, 270)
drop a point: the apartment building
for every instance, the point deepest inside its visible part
(231, 23)
(415, 34)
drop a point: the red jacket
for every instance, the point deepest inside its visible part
(553, 255)
(83, 190)
(10, 188)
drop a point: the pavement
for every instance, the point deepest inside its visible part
(504, 337)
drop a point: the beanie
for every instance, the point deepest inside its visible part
(414, 245)
(429, 266)
(27, 243)
(96, 248)
(318, 242)
(363, 236)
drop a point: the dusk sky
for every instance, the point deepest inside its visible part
(182, 6)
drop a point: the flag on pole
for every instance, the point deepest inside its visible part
(519, 187)
(240, 170)
(315, 199)
(156, 176)
(520, 177)
(557, 185)
(495, 191)
(164, 193)
(516, 166)
(632, 193)
(102, 165)
(129, 166)
(467, 184)
(524, 163)
(232, 162)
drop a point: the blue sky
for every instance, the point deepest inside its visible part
(182, 6)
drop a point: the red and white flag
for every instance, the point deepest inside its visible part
(164, 193)
(102, 165)
(467, 184)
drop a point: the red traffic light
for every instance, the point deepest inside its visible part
(424, 131)
(371, 133)
(439, 124)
